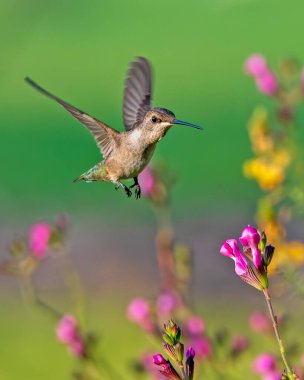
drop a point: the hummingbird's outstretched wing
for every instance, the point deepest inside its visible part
(137, 95)
(105, 136)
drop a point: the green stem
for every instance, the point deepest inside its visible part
(288, 369)
(181, 366)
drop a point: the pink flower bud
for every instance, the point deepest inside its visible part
(158, 359)
(264, 364)
(250, 239)
(67, 332)
(66, 328)
(190, 353)
(255, 65)
(39, 238)
(267, 83)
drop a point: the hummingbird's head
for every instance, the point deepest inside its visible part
(161, 119)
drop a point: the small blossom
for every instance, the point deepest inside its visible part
(147, 181)
(166, 304)
(267, 83)
(67, 332)
(264, 364)
(66, 328)
(250, 239)
(195, 325)
(158, 359)
(190, 352)
(202, 347)
(230, 248)
(239, 344)
(38, 240)
(255, 65)
(260, 322)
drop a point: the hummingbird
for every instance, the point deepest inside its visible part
(125, 154)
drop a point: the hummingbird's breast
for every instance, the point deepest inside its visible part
(133, 155)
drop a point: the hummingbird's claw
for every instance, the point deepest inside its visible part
(137, 192)
(128, 191)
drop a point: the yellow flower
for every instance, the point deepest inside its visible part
(268, 174)
(259, 132)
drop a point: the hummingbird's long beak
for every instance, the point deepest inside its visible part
(179, 122)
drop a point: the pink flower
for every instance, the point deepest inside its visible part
(201, 346)
(230, 248)
(166, 303)
(66, 328)
(39, 238)
(195, 326)
(250, 239)
(147, 181)
(67, 332)
(240, 343)
(255, 65)
(267, 83)
(264, 364)
(275, 375)
(138, 310)
(158, 359)
(260, 322)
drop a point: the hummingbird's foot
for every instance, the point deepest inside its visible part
(137, 191)
(137, 188)
(128, 191)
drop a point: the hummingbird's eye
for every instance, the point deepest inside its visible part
(154, 119)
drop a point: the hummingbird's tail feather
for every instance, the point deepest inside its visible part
(96, 173)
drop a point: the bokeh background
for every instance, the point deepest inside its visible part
(81, 51)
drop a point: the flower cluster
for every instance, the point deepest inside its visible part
(27, 253)
(68, 333)
(277, 160)
(265, 79)
(251, 265)
(175, 351)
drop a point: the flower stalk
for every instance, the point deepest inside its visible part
(288, 369)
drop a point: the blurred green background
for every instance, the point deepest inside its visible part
(80, 51)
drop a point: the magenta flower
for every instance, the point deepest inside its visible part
(158, 359)
(255, 275)
(195, 325)
(250, 239)
(39, 237)
(264, 364)
(139, 312)
(147, 181)
(67, 332)
(267, 83)
(166, 367)
(260, 322)
(255, 65)
(201, 346)
(190, 353)
(275, 375)
(231, 249)
(66, 328)
(166, 303)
